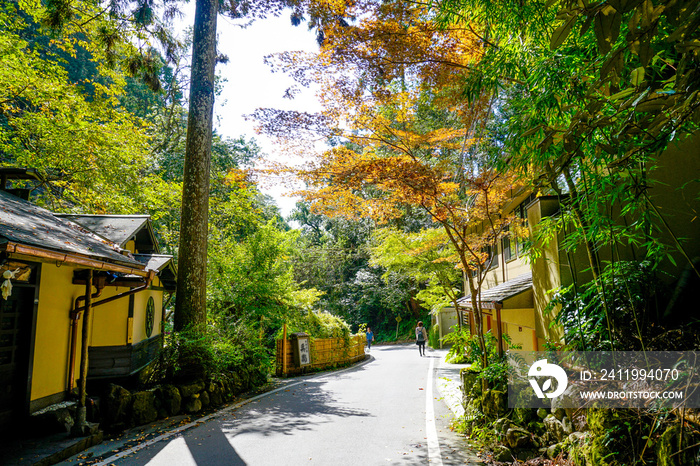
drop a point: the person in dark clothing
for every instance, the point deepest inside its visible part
(370, 338)
(421, 336)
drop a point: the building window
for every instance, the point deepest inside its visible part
(150, 316)
(521, 212)
(492, 253)
(507, 253)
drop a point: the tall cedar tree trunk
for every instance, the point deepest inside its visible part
(190, 303)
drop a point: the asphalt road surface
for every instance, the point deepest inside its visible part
(384, 411)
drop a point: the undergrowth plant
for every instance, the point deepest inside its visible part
(617, 313)
(434, 337)
(465, 349)
(227, 351)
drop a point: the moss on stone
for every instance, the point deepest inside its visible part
(524, 415)
(493, 403)
(668, 446)
(602, 420)
(143, 408)
(601, 448)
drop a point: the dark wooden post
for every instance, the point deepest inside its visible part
(284, 350)
(500, 330)
(81, 425)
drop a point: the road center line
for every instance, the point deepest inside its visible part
(430, 429)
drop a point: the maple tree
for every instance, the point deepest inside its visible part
(427, 257)
(395, 53)
(470, 212)
(402, 133)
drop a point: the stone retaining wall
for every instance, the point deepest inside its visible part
(117, 408)
(587, 436)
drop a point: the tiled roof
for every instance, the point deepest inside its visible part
(163, 265)
(117, 228)
(25, 223)
(153, 261)
(501, 292)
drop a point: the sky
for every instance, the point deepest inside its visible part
(250, 83)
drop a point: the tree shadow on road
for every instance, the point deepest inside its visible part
(206, 445)
(210, 446)
(301, 407)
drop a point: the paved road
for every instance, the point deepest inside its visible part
(385, 411)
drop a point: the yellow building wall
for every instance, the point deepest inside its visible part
(522, 336)
(505, 270)
(52, 344)
(140, 301)
(109, 322)
(520, 317)
(519, 323)
(676, 193)
(516, 267)
(502, 270)
(545, 274)
(677, 199)
(108, 326)
(111, 327)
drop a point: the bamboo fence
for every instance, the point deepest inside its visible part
(324, 353)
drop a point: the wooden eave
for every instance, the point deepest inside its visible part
(48, 255)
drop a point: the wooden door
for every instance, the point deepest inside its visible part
(16, 322)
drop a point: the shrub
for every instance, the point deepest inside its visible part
(222, 352)
(465, 346)
(615, 313)
(326, 325)
(434, 337)
(319, 325)
(459, 341)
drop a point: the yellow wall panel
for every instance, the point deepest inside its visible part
(109, 320)
(520, 335)
(545, 273)
(519, 317)
(140, 302)
(52, 344)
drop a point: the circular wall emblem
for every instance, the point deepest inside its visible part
(150, 316)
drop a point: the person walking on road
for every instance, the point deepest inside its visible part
(421, 336)
(370, 338)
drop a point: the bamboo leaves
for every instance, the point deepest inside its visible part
(560, 34)
(607, 28)
(637, 76)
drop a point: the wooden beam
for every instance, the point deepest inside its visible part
(500, 330)
(47, 255)
(284, 349)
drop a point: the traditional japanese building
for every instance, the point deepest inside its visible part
(59, 272)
